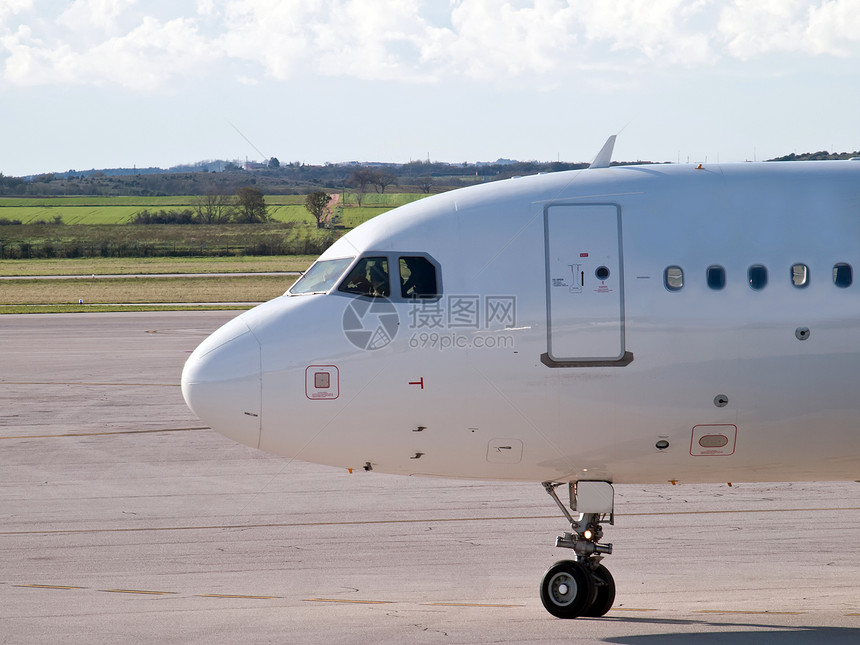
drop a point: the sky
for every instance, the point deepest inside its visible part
(122, 83)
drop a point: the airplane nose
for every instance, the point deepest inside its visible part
(221, 383)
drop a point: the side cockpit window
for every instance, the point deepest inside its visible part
(321, 277)
(368, 278)
(417, 278)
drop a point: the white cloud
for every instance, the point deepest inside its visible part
(206, 7)
(331, 37)
(662, 31)
(489, 40)
(753, 28)
(12, 7)
(86, 15)
(144, 45)
(272, 33)
(371, 44)
(834, 28)
(147, 56)
(28, 62)
(142, 59)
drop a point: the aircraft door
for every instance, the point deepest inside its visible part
(585, 286)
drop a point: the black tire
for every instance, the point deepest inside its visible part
(605, 593)
(567, 589)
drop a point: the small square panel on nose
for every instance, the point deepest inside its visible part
(322, 382)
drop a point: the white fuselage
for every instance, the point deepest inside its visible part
(560, 348)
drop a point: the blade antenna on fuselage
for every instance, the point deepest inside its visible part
(604, 157)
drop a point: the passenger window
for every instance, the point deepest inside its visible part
(757, 275)
(842, 275)
(368, 278)
(417, 277)
(716, 277)
(673, 278)
(800, 275)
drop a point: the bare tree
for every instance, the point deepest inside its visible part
(424, 183)
(213, 208)
(360, 179)
(381, 180)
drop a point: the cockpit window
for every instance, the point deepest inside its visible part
(417, 277)
(368, 278)
(321, 277)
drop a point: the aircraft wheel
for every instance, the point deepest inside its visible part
(605, 593)
(567, 589)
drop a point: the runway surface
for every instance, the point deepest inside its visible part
(123, 519)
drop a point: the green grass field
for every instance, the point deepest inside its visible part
(93, 309)
(45, 241)
(143, 293)
(120, 210)
(143, 290)
(155, 266)
(98, 226)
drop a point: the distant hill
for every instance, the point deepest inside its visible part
(293, 178)
(823, 155)
(273, 178)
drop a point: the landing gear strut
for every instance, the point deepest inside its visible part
(581, 587)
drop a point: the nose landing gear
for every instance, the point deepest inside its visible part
(581, 587)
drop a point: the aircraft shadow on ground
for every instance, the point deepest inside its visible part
(742, 633)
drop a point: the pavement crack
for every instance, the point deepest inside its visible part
(430, 630)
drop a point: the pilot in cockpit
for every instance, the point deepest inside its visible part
(378, 281)
(421, 279)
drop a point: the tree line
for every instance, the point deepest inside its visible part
(294, 178)
(821, 155)
(246, 206)
(263, 244)
(273, 179)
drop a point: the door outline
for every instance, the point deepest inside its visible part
(624, 357)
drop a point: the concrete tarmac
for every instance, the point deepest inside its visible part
(125, 520)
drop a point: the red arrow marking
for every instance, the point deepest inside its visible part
(421, 382)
